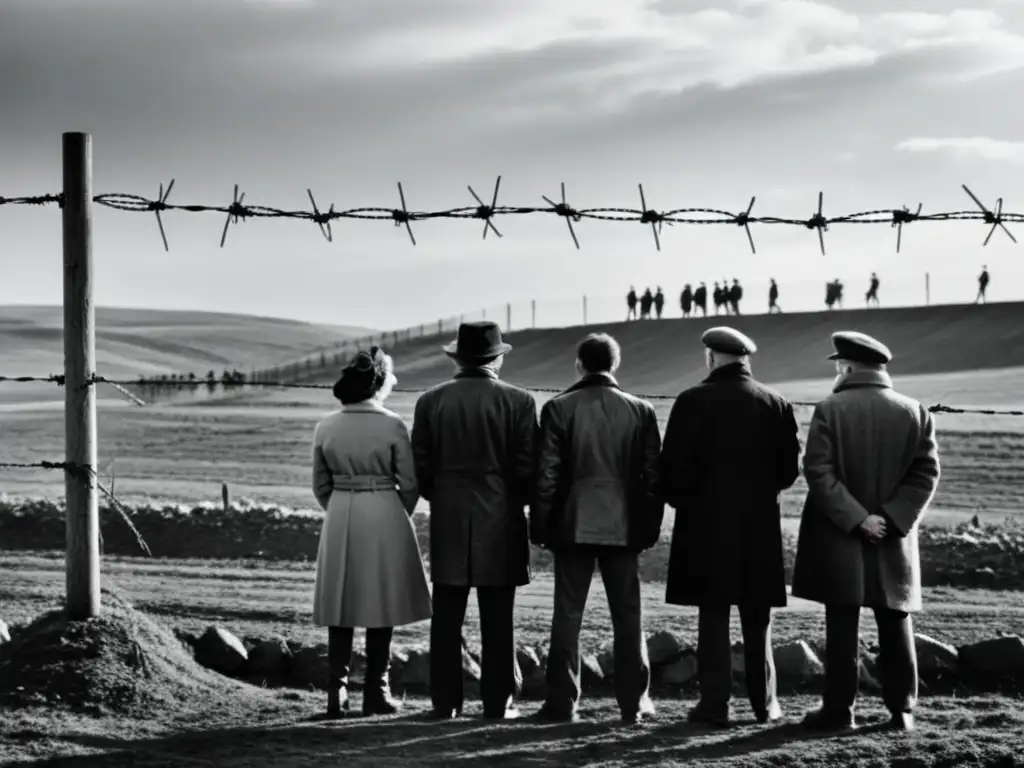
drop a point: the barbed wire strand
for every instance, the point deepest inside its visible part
(122, 385)
(238, 212)
(85, 472)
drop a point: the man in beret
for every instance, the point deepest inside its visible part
(730, 448)
(872, 467)
(473, 446)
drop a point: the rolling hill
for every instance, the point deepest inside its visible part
(134, 342)
(663, 356)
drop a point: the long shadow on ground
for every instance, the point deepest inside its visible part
(949, 735)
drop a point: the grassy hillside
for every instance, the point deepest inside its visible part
(133, 342)
(663, 356)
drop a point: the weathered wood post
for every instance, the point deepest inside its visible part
(533, 313)
(225, 496)
(82, 512)
(508, 317)
(584, 310)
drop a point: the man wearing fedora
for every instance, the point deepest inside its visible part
(473, 446)
(597, 504)
(731, 447)
(872, 467)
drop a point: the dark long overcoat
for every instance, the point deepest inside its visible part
(473, 447)
(870, 450)
(731, 447)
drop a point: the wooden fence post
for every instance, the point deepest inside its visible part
(225, 496)
(82, 512)
(927, 289)
(508, 317)
(533, 313)
(584, 310)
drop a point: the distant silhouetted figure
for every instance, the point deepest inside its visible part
(645, 304)
(773, 298)
(719, 299)
(982, 286)
(700, 299)
(735, 296)
(686, 300)
(659, 302)
(872, 295)
(631, 303)
(834, 294)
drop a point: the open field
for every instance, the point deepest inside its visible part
(135, 342)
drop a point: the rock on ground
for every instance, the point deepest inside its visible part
(269, 657)
(796, 662)
(998, 656)
(221, 651)
(934, 655)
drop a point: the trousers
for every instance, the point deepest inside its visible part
(714, 657)
(574, 572)
(897, 659)
(497, 647)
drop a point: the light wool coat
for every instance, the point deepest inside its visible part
(369, 571)
(870, 450)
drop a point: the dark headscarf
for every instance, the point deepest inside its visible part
(363, 377)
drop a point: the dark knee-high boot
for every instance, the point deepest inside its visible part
(339, 661)
(377, 699)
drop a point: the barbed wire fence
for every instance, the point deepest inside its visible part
(80, 465)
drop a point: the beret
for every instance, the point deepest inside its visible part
(859, 347)
(728, 340)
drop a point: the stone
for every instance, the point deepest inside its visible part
(934, 655)
(997, 656)
(664, 647)
(269, 657)
(5, 632)
(221, 651)
(866, 674)
(796, 662)
(606, 660)
(310, 668)
(591, 676)
(415, 674)
(533, 682)
(679, 672)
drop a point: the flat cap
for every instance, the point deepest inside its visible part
(721, 338)
(859, 347)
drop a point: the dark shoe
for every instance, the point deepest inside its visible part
(823, 720)
(703, 716)
(551, 715)
(337, 702)
(901, 721)
(510, 713)
(377, 698)
(770, 715)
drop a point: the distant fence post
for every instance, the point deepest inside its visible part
(927, 289)
(508, 317)
(225, 496)
(584, 309)
(82, 570)
(440, 326)
(533, 313)
(483, 313)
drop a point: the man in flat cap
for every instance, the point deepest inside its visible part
(872, 467)
(473, 446)
(597, 503)
(731, 447)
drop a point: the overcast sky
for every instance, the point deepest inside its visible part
(877, 103)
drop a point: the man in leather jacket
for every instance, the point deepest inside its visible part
(597, 501)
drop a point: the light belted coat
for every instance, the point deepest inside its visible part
(368, 568)
(870, 450)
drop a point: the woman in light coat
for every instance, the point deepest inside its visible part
(369, 571)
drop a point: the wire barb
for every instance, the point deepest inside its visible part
(995, 218)
(323, 220)
(403, 216)
(486, 212)
(901, 217)
(570, 214)
(743, 220)
(235, 211)
(652, 217)
(819, 222)
(160, 204)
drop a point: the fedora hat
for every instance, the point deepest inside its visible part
(477, 342)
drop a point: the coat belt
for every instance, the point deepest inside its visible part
(363, 483)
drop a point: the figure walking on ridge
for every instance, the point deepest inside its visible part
(368, 567)
(473, 443)
(686, 300)
(731, 447)
(872, 294)
(773, 298)
(659, 303)
(718, 299)
(872, 468)
(735, 296)
(645, 305)
(982, 286)
(834, 294)
(700, 300)
(597, 503)
(631, 304)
